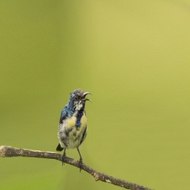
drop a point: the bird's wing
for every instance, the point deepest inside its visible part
(63, 116)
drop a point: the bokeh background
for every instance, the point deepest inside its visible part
(134, 56)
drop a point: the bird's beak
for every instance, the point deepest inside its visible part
(87, 99)
(85, 94)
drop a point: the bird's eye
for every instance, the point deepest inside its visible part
(77, 98)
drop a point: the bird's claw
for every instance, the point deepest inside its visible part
(80, 164)
(62, 158)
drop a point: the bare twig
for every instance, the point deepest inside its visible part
(8, 151)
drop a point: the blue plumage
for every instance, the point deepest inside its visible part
(64, 115)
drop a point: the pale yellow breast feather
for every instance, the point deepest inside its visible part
(71, 121)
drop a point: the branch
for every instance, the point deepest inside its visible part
(8, 151)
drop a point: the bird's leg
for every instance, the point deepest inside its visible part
(79, 154)
(64, 154)
(80, 160)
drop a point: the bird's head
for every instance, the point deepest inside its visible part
(78, 99)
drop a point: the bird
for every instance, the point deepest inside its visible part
(72, 128)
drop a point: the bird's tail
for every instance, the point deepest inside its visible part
(59, 148)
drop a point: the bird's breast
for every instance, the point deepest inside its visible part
(71, 122)
(72, 135)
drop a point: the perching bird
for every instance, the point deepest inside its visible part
(73, 122)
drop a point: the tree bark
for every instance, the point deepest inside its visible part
(8, 151)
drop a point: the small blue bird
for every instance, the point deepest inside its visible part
(73, 122)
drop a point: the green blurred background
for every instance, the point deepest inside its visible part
(134, 56)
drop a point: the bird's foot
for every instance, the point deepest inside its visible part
(80, 164)
(63, 156)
